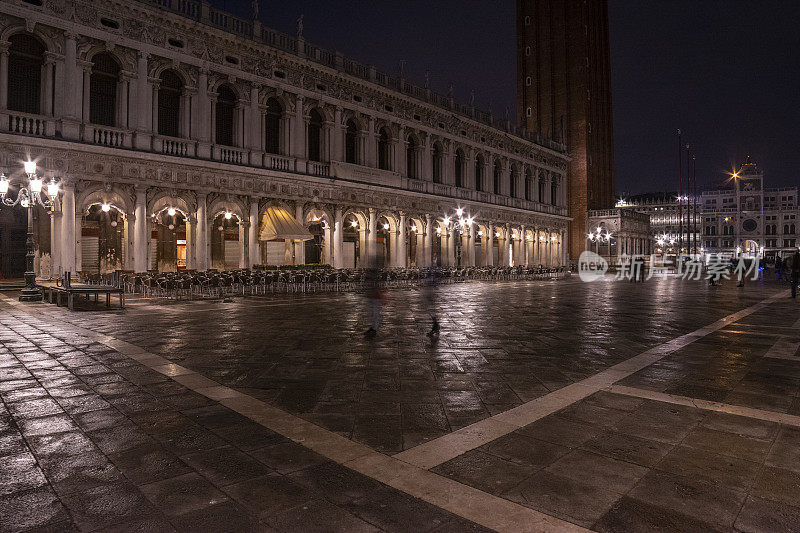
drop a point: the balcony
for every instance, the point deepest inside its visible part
(23, 124)
(279, 162)
(174, 146)
(107, 136)
(227, 154)
(28, 124)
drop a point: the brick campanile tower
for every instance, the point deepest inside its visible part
(564, 93)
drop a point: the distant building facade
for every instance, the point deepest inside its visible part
(740, 216)
(564, 91)
(618, 233)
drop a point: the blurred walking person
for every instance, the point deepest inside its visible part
(430, 289)
(794, 273)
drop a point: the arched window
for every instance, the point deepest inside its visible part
(25, 60)
(411, 157)
(528, 185)
(554, 193)
(351, 142)
(436, 162)
(791, 229)
(541, 191)
(272, 126)
(103, 90)
(479, 166)
(226, 107)
(459, 170)
(169, 104)
(498, 170)
(512, 190)
(384, 145)
(315, 135)
(785, 229)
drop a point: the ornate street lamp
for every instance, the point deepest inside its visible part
(28, 197)
(599, 238)
(461, 224)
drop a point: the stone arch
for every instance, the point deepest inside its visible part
(163, 200)
(227, 204)
(359, 214)
(179, 70)
(99, 194)
(325, 111)
(47, 41)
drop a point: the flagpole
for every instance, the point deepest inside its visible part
(694, 183)
(680, 194)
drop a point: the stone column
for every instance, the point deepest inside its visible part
(4, 46)
(243, 257)
(337, 141)
(489, 240)
(471, 245)
(47, 80)
(87, 70)
(201, 116)
(372, 237)
(522, 256)
(122, 110)
(191, 243)
(298, 148)
(212, 134)
(427, 242)
(202, 233)
(400, 152)
(300, 246)
(338, 237)
(371, 147)
(363, 251)
(252, 241)
(255, 123)
(140, 236)
(78, 217)
(402, 248)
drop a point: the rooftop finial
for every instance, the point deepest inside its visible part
(254, 9)
(300, 27)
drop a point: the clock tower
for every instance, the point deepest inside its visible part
(749, 198)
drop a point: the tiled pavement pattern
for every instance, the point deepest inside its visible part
(91, 440)
(501, 345)
(95, 439)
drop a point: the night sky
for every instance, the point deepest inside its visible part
(727, 73)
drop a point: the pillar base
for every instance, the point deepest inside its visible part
(71, 129)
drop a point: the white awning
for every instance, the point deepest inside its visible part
(277, 223)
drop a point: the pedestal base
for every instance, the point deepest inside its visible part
(31, 295)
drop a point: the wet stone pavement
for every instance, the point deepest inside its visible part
(703, 437)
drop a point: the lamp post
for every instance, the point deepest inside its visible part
(28, 197)
(461, 224)
(600, 237)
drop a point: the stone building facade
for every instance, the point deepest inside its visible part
(176, 130)
(740, 216)
(628, 230)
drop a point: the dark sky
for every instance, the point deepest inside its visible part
(726, 72)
